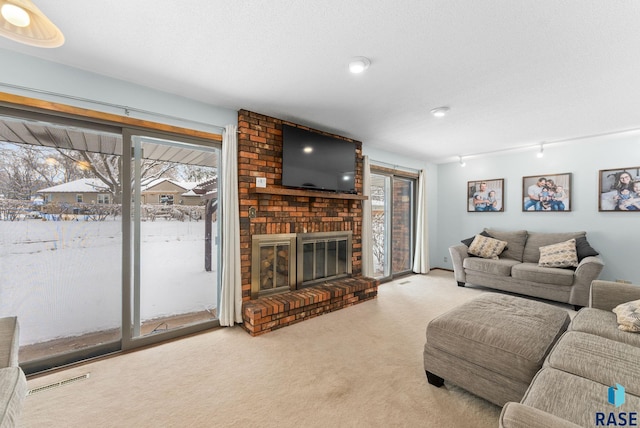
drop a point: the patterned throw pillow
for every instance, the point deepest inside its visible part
(486, 247)
(628, 316)
(560, 255)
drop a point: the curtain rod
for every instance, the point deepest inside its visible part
(393, 166)
(127, 110)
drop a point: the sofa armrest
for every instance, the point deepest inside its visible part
(588, 270)
(9, 341)
(516, 415)
(458, 254)
(606, 295)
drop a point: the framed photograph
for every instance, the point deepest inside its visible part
(619, 189)
(485, 195)
(550, 192)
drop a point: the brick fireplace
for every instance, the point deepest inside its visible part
(276, 210)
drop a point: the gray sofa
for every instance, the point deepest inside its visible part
(13, 384)
(572, 388)
(517, 268)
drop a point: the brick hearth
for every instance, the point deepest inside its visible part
(270, 313)
(260, 155)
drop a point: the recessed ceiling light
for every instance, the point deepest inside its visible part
(440, 111)
(359, 64)
(308, 149)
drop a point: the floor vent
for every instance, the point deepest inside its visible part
(57, 384)
(404, 282)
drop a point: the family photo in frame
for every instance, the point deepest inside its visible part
(485, 195)
(550, 192)
(619, 189)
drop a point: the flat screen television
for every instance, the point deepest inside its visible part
(315, 161)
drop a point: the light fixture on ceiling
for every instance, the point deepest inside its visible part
(541, 152)
(462, 162)
(22, 21)
(440, 111)
(359, 64)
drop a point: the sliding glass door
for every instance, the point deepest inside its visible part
(108, 236)
(174, 235)
(392, 211)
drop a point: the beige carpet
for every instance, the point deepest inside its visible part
(357, 367)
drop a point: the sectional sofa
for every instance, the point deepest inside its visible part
(591, 377)
(13, 384)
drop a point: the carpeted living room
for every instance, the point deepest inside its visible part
(356, 213)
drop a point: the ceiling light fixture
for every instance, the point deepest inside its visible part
(359, 64)
(440, 111)
(541, 152)
(462, 163)
(23, 22)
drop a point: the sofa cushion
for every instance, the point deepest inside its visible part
(9, 338)
(535, 240)
(515, 242)
(486, 247)
(534, 273)
(597, 358)
(13, 390)
(584, 249)
(468, 241)
(602, 323)
(628, 316)
(573, 398)
(559, 255)
(500, 267)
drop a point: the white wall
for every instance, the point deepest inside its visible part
(613, 234)
(34, 73)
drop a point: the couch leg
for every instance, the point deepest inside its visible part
(460, 284)
(434, 380)
(577, 307)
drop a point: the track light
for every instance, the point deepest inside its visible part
(541, 152)
(462, 163)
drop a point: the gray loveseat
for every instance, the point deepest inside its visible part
(13, 384)
(593, 355)
(517, 268)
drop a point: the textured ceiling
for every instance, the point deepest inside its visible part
(514, 73)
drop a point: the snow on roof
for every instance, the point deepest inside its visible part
(190, 193)
(186, 185)
(82, 185)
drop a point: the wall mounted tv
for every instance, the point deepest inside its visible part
(315, 161)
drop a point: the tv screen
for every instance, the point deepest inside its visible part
(315, 161)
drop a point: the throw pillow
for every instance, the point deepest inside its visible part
(559, 255)
(628, 316)
(584, 249)
(468, 241)
(486, 247)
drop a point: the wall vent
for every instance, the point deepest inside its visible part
(58, 384)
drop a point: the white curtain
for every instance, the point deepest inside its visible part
(367, 238)
(231, 288)
(421, 257)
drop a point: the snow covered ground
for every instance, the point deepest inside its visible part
(64, 278)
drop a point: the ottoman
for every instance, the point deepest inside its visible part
(492, 346)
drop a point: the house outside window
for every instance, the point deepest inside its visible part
(166, 199)
(79, 198)
(103, 199)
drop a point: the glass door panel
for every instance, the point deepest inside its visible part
(403, 209)
(174, 229)
(60, 238)
(380, 213)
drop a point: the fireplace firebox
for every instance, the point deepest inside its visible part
(289, 261)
